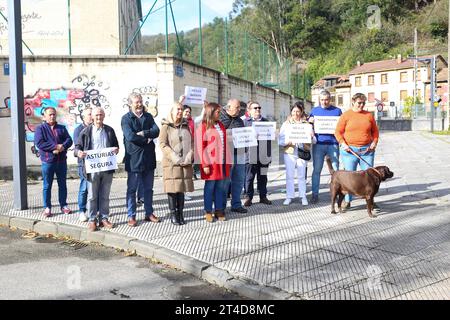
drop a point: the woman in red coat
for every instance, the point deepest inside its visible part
(214, 167)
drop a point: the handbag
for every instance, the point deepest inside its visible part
(305, 155)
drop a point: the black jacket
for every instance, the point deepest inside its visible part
(139, 153)
(84, 143)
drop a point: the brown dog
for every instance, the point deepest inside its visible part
(360, 183)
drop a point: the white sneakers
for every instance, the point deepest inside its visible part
(288, 201)
(83, 217)
(304, 201)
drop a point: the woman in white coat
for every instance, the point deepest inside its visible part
(292, 161)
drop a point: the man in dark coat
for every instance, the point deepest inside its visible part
(53, 140)
(139, 130)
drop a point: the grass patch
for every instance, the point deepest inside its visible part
(442, 133)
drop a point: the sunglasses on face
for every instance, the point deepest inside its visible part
(256, 108)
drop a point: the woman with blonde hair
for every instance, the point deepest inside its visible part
(176, 142)
(295, 155)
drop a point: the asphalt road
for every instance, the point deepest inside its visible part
(38, 267)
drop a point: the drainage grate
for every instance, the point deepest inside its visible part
(74, 244)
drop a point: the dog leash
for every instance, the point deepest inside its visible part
(359, 157)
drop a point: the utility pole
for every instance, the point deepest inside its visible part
(17, 108)
(432, 89)
(415, 67)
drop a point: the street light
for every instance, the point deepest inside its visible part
(431, 60)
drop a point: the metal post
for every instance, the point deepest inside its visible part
(226, 46)
(167, 31)
(180, 49)
(69, 25)
(304, 84)
(432, 88)
(200, 45)
(246, 56)
(17, 108)
(139, 28)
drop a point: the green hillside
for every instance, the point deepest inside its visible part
(268, 40)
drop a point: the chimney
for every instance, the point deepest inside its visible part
(358, 63)
(399, 58)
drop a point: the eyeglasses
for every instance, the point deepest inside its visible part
(256, 108)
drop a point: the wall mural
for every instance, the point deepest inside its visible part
(68, 102)
(149, 98)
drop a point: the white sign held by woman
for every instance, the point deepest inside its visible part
(194, 95)
(299, 133)
(244, 137)
(265, 130)
(325, 124)
(100, 160)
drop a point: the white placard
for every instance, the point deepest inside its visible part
(100, 160)
(244, 137)
(265, 130)
(194, 95)
(325, 124)
(299, 133)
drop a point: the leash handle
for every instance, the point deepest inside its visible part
(356, 155)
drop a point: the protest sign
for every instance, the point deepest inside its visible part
(194, 95)
(100, 160)
(299, 133)
(244, 137)
(325, 124)
(265, 130)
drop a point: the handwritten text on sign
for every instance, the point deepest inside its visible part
(244, 137)
(299, 133)
(324, 124)
(194, 95)
(265, 130)
(100, 160)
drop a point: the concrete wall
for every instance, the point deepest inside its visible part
(96, 26)
(72, 83)
(412, 125)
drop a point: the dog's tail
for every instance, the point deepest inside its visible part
(330, 166)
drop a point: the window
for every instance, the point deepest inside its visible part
(403, 95)
(357, 81)
(419, 94)
(384, 96)
(340, 100)
(371, 80)
(404, 76)
(371, 96)
(384, 78)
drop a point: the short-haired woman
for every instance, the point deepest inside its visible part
(357, 133)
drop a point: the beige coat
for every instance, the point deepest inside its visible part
(177, 148)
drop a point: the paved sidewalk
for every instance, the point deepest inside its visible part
(297, 252)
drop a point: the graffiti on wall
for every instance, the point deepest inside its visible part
(149, 98)
(68, 102)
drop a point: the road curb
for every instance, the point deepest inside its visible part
(200, 269)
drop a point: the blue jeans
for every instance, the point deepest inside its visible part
(237, 179)
(351, 162)
(216, 192)
(48, 172)
(82, 192)
(99, 189)
(147, 179)
(319, 152)
(140, 191)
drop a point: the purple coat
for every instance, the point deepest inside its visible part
(46, 140)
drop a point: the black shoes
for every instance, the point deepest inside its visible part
(239, 210)
(314, 198)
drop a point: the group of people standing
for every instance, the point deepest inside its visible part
(205, 140)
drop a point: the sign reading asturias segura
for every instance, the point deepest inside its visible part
(100, 160)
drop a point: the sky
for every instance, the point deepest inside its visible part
(185, 13)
